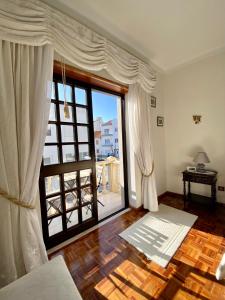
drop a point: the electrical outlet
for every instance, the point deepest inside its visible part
(221, 188)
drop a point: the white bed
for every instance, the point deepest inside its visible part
(49, 281)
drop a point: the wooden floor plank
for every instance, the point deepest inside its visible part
(104, 266)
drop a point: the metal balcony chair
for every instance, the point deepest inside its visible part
(56, 205)
(87, 191)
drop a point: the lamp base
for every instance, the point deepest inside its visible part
(200, 168)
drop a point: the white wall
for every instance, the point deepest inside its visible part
(158, 137)
(195, 89)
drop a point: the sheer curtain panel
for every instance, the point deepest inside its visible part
(25, 75)
(140, 126)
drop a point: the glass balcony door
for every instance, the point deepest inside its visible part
(83, 173)
(108, 132)
(68, 178)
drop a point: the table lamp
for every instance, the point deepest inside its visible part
(201, 158)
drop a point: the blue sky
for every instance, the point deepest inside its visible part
(104, 105)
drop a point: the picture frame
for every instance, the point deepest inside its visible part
(160, 121)
(153, 101)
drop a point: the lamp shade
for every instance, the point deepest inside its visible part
(201, 158)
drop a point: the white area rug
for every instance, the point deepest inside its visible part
(158, 235)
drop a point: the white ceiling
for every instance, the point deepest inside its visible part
(168, 33)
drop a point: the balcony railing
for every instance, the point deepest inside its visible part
(109, 171)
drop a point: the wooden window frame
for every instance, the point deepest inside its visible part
(91, 82)
(91, 79)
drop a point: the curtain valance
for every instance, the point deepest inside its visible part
(35, 23)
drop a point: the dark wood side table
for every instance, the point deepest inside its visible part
(209, 178)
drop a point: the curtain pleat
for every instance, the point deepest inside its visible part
(140, 126)
(35, 23)
(25, 74)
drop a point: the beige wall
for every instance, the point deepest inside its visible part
(195, 89)
(158, 137)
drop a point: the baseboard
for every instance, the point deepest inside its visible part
(172, 194)
(137, 208)
(160, 197)
(180, 196)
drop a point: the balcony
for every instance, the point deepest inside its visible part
(109, 195)
(109, 190)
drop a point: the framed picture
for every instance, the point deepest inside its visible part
(153, 101)
(160, 121)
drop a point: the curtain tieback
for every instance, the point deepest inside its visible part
(15, 200)
(152, 170)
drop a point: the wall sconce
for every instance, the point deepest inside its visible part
(197, 119)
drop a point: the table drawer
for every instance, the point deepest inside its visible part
(199, 178)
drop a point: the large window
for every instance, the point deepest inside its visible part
(68, 179)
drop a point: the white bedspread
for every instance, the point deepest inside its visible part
(51, 281)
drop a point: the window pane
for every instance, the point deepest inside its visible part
(62, 117)
(70, 180)
(50, 155)
(53, 90)
(52, 184)
(68, 92)
(54, 206)
(51, 135)
(82, 115)
(67, 133)
(52, 113)
(84, 152)
(80, 96)
(82, 133)
(86, 195)
(72, 218)
(68, 153)
(86, 212)
(55, 225)
(71, 199)
(85, 177)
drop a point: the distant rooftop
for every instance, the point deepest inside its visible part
(107, 123)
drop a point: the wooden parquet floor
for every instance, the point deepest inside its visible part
(104, 266)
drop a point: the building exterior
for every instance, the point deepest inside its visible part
(97, 142)
(106, 138)
(98, 124)
(51, 153)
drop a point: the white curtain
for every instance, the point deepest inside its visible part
(26, 66)
(25, 75)
(35, 23)
(140, 127)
